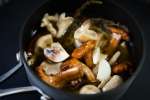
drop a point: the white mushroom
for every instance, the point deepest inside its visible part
(44, 41)
(56, 53)
(84, 34)
(114, 82)
(114, 58)
(63, 24)
(46, 23)
(51, 68)
(89, 89)
(104, 72)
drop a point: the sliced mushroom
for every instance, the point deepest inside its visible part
(51, 68)
(114, 82)
(44, 41)
(117, 30)
(46, 22)
(61, 78)
(56, 53)
(84, 34)
(120, 68)
(89, 89)
(76, 63)
(61, 21)
(81, 51)
(63, 24)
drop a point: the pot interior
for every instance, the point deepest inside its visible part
(108, 10)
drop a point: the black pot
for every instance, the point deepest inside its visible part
(109, 10)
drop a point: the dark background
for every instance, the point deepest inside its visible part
(12, 17)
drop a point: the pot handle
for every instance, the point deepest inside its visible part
(5, 92)
(13, 70)
(5, 76)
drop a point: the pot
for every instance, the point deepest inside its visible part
(109, 10)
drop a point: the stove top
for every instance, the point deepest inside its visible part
(12, 16)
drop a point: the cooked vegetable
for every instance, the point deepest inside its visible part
(114, 57)
(85, 55)
(114, 82)
(85, 48)
(89, 89)
(61, 21)
(84, 34)
(56, 53)
(120, 68)
(96, 55)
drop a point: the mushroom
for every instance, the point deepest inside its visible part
(63, 24)
(76, 63)
(60, 79)
(56, 53)
(118, 30)
(120, 68)
(84, 34)
(85, 48)
(51, 68)
(75, 70)
(117, 35)
(61, 21)
(89, 89)
(46, 23)
(44, 41)
(114, 82)
(88, 58)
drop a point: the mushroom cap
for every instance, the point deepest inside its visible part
(51, 68)
(56, 53)
(44, 41)
(84, 34)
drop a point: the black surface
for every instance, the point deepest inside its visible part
(12, 17)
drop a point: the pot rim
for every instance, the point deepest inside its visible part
(129, 81)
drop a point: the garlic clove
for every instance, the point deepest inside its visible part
(56, 53)
(104, 70)
(114, 82)
(102, 57)
(96, 55)
(89, 89)
(115, 57)
(84, 34)
(51, 68)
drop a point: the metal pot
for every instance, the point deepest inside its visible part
(109, 10)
